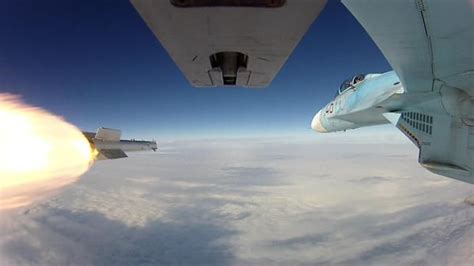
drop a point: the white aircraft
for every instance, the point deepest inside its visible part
(429, 43)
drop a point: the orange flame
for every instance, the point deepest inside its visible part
(39, 153)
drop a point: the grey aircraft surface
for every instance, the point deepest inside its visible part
(429, 95)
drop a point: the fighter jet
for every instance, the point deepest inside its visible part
(429, 96)
(106, 144)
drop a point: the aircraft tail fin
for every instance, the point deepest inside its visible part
(111, 154)
(108, 134)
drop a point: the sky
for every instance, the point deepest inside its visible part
(96, 64)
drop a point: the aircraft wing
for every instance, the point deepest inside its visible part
(428, 43)
(229, 42)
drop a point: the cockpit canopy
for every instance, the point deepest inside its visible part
(350, 83)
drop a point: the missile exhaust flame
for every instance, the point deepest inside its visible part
(39, 153)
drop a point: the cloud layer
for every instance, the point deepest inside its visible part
(254, 202)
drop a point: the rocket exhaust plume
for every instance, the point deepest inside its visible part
(39, 153)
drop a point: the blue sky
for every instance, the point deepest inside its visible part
(97, 64)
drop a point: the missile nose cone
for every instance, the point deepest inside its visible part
(316, 123)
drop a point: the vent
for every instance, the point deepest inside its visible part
(229, 64)
(418, 121)
(229, 3)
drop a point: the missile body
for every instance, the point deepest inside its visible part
(107, 144)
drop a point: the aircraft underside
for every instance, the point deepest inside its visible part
(446, 142)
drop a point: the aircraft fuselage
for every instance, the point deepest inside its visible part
(439, 122)
(360, 104)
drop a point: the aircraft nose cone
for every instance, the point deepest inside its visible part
(316, 123)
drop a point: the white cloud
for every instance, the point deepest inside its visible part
(264, 201)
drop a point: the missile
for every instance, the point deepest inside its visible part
(107, 144)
